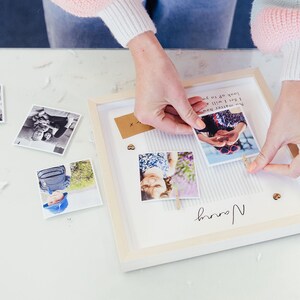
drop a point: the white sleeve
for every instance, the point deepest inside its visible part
(126, 19)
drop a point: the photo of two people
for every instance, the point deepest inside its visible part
(227, 136)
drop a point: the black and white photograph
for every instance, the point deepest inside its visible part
(47, 129)
(2, 112)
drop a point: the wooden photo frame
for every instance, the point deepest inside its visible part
(234, 208)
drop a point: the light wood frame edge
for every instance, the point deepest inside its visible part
(126, 254)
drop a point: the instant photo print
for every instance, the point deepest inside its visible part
(67, 188)
(233, 208)
(167, 175)
(47, 129)
(227, 136)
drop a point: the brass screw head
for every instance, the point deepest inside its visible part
(130, 147)
(276, 196)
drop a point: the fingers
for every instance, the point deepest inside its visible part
(265, 156)
(197, 103)
(187, 114)
(292, 170)
(218, 143)
(172, 124)
(232, 140)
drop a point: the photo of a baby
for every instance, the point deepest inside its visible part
(68, 188)
(227, 136)
(166, 175)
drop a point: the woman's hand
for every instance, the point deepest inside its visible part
(284, 129)
(160, 97)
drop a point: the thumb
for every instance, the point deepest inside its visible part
(266, 155)
(188, 115)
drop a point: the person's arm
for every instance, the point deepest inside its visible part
(275, 27)
(234, 134)
(161, 100)
(125, 19)
(160, 97)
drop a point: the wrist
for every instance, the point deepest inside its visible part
(146, 49)
(290, 89)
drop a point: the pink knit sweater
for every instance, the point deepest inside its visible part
(275, 24)
(83, 8)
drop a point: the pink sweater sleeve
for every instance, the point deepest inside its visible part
(83, 8)
(125, 18)
(275, 26)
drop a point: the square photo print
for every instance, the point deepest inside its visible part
(227, 136)
(2, 111)
(68, 188)
(167, 175)
(47, 129)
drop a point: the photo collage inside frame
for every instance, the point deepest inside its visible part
(227, 136)
(67, 188)
(2, 108)
(167, 175)
(47, 129)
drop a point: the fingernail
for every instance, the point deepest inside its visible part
(252, 167)
(200, 124)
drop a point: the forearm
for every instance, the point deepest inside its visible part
(126, 19)
(240, 128)
(146, 50)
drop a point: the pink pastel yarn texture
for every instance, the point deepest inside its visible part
(273, 27)
(83, 8)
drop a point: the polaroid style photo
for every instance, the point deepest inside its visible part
(167, 175)
(227, 136)
(2, 109)
(68, 188)
(47, 129)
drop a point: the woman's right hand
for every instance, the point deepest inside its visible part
(161, 100)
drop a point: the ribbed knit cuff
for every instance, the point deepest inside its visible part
(126, 19)
(291, 61)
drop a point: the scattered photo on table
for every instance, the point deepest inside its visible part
(2, 110)
(68, 188)
(227, 136)
(166, 175)
(47, 129)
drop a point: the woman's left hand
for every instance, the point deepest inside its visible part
(284, 129)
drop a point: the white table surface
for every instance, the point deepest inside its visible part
(73, 256)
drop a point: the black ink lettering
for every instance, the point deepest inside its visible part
(241, 211)
(235, 209)
(209, 217)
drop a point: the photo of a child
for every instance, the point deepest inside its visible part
(165, 174)
(227, 136)
(57, 202)
(68, 188)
